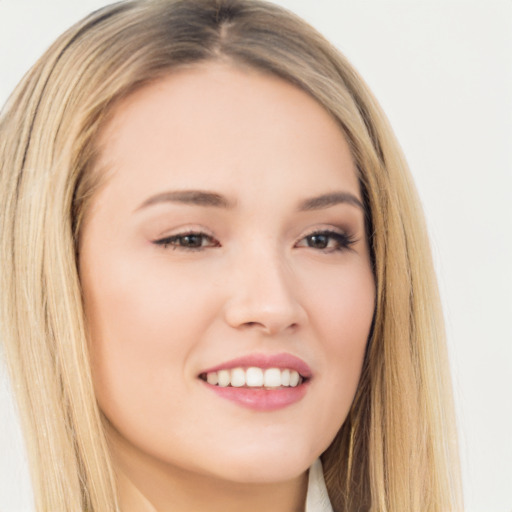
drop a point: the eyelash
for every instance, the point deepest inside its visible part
(342, 241)
(174, 241)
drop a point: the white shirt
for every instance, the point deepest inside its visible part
(317, 499)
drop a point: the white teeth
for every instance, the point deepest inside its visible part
(272, 378)
(254, 377)
(224, 378)
(294, 378)
(212, 378)
(237, 378)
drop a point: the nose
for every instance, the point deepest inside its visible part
(264, 295)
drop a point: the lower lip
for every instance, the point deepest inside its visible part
(260, 399)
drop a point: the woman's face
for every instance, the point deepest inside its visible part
(224, 260)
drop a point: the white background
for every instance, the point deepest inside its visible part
(442, 70)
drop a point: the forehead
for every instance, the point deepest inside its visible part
(216, 125)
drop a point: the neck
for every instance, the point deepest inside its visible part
(147, 485)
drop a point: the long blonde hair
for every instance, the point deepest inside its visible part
(396, 451)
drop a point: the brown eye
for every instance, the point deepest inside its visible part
(191, 241)
(327, 241)
(318, 241)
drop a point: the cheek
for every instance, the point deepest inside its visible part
(347, 317)
(341, 305)
(342, 314)
(142, 331)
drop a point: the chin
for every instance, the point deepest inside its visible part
(265, 466)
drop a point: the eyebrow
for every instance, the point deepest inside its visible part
(330, 199)
(191, 197)
(212, 199)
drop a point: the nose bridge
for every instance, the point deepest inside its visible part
(263, 294)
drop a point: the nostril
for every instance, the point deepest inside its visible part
(252, 324)
(269, 327)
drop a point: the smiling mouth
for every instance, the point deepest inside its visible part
(254, 377)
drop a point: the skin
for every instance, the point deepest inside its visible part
(159, 315)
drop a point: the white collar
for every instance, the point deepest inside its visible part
(317, 499)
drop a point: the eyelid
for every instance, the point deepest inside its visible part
(167, 240)
(344, 238)
(329, 229)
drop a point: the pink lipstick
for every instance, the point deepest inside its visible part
(261, 382)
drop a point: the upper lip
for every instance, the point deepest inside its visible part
(282, 361)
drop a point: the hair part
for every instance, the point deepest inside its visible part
(397, 448)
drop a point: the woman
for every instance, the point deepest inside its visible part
(215, 271)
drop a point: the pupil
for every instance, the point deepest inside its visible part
(318, 241)
(192, 240)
